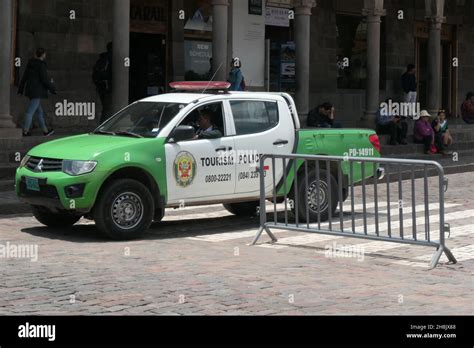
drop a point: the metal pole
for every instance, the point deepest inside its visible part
(262, 211)
(376, 199)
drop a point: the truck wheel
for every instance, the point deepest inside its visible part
(54, 219)
(308, 196)
(243, 208)
(124, 209)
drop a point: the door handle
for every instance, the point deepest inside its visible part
(223, 148)
(280, 142)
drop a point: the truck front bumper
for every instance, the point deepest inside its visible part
(58, 190)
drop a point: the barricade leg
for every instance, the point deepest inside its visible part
(259, 233)
(439, 251)
(449, 255)
(436, 257)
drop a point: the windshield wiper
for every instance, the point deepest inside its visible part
(103, 132)
(131, 134)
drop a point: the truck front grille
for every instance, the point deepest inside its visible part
(38, 164)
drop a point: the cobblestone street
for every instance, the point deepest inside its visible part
(198, 261)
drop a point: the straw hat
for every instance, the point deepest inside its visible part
(425, 113)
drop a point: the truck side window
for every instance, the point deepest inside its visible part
(214, 110)
(254, 116)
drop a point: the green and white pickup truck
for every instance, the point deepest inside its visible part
(147, 157)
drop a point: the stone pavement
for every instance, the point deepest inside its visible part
(197, 261)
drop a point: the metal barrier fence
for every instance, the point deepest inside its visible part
(327, 181)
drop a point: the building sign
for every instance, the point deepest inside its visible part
(198, 15)
(255, 7)
(287, 66)
(282, 67)
(148, 16)
(197, 55)
(277, 16)
(422, 30)
(280, 3)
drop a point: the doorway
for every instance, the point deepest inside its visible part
(448, 73)
(147, 65)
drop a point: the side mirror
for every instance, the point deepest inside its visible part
(181, 133)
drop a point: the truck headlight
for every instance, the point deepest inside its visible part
(24, 161)
(78, 167)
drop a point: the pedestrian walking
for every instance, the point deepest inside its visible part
(409, 84)
(467, 109)
(35, 85)
(102, 77)
(236, 78)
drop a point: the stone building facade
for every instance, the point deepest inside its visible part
(324, 32)
(400, 46)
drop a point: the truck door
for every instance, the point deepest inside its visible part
(261, 127)
(196, 170)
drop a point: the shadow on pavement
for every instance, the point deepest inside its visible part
(167, 229)
(88, 233)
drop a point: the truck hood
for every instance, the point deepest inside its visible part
(84, 147)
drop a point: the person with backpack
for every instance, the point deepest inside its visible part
(102, 78)
(235, 76)
(35, 85)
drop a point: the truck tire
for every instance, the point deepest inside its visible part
(243, 208)
(306, 196)
(54, 219)
(124, 209)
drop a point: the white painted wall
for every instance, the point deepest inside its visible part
(248, 42)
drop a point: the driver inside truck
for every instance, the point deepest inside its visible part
(207, 130)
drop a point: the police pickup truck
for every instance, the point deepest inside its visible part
(198, 145)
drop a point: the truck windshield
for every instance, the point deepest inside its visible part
(141, 119)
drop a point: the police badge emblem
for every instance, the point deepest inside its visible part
(184, 169)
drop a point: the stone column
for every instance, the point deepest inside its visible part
(177, 35)
(434, 16)
(373, 11)
(220, 14)
(121, 48)
(434, 65)
(302, 42)
(6, 120)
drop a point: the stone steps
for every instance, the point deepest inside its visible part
(388, 150)
(463, 136)
(7, 171)
(7, 185)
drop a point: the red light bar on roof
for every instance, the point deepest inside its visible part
(200, 85)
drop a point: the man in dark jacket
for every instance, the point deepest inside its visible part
(35, 85)
(409, 84)
(323, 117)
(102, 77)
